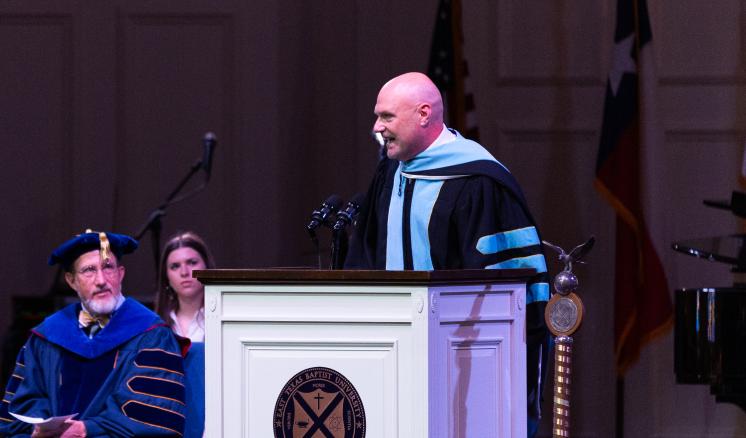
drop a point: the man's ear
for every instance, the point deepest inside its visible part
(70, 279)
(424, 111)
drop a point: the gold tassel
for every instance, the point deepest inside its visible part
(105, 247)
(104, 244)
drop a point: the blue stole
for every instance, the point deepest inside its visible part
(459, 158)
(424, 168)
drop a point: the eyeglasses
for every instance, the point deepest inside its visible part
(90, 272)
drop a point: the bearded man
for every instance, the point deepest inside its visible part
(107, 360)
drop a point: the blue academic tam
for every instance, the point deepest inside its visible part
(68, 252)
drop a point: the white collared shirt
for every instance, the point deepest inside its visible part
(196, 331)
(446, 136)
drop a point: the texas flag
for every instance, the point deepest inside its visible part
(642, 304)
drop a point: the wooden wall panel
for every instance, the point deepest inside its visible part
(175, 82)
(698, 44)
(36, 128)
(539, 43)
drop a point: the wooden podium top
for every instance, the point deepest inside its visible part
(317, 276)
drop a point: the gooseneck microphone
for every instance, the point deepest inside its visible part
(321, 215)
(209, 142)
(339, 235)
(347, 216)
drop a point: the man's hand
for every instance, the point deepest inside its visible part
(75, 429)
(68, 429)
(45, 432)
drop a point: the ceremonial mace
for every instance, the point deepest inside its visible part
(563, 316)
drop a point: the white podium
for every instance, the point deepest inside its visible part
(409, 354)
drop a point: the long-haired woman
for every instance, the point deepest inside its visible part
(180, 300)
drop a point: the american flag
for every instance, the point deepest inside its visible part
(449, 70)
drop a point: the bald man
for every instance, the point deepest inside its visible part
(440, 201)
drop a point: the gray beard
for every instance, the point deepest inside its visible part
(99, 308)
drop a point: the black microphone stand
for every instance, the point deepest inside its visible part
(154, 224)
(339, 246)
(315, 240)
(340, 238)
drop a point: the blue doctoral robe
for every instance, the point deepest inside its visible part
(454, 206)
(194, 364)
(128, 380)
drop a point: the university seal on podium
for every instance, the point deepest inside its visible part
(319, 402)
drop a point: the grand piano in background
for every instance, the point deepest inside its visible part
(710, 327)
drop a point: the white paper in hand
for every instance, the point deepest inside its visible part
(44, 423)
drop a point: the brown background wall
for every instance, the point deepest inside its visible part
(103, 106)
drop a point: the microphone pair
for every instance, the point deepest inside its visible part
(330, 215)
